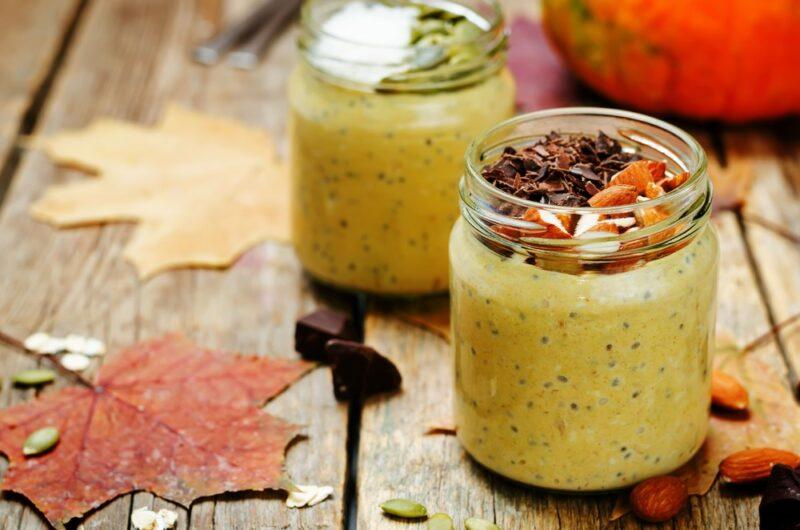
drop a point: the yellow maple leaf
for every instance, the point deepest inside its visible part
(202, 189)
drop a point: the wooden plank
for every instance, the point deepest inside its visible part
(773, 158)
(129, 57)
(396, 459)
(31, 34)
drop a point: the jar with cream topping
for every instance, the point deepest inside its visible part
(385, 99)
(582, 334)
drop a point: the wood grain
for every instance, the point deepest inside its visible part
(128, 58)
(31, 34)
(772, 155)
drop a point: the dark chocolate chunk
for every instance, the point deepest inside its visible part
(780, 505)
(560, 169)
(315, 329)
(360, 371)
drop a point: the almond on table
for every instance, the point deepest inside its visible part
(727, 392)
(755, 464)
(659, 499)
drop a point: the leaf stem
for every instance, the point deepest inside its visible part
(773, 227)
(765, 338)
(16, 344)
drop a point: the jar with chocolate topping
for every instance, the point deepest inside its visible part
(583, 283)
(385, 100)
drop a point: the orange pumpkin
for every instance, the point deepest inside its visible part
(733, 60)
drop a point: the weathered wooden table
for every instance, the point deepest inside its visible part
(64, 62)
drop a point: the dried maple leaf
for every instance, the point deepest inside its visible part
(202, 189)
(431, 314)
(773, 420)
(164, 416)
(542, 79)
(731, 183)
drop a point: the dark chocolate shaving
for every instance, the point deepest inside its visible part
(360, 371)
(780, 505)
(563, 170)
(313, 331)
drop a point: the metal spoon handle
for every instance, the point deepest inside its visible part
(248, 55)
(210, 52)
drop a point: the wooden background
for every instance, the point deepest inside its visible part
(64, 62)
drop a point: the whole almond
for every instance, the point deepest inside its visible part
(727, 392)
(636, 174)
(755, 464)
(658, 499)
(657, 169)
(674, 181)
(614, 196)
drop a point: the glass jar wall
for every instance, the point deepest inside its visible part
(377, 143)
(584, 366)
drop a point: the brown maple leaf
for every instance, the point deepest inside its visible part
(772, 421)
(201, 189)
(430, 314)
(164, 416)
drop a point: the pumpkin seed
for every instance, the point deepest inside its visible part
(40, 441)
(465, 31)
(36, 376)
(404, 508)
(474, 523)
(440, 521)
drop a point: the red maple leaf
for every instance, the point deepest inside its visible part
(164, 416)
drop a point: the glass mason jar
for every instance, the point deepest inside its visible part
(584, 366)
(377, 150)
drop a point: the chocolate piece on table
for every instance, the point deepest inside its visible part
(315, 329)
(359, 370)
(780, 505)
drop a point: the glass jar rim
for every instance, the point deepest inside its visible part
(691, 200)
(491, 42)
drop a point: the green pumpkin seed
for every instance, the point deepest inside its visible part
(427, 27)
(465, 31)
(473, 523)
(404, 508)
(440, 521)
(40, 441)
(37, 376)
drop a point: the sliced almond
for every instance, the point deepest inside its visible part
(755, 464)
(607, 227)
(585, 222)
(600, 230)
(652, 216)
(727, 392)
(552, 226)
(636, 174)
(567, 221)
(653, 191)
(674, 181)
(508, 232)
(614, 196)
(659, 499)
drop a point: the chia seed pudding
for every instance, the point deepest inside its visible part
(377, 138)
(583, 363)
